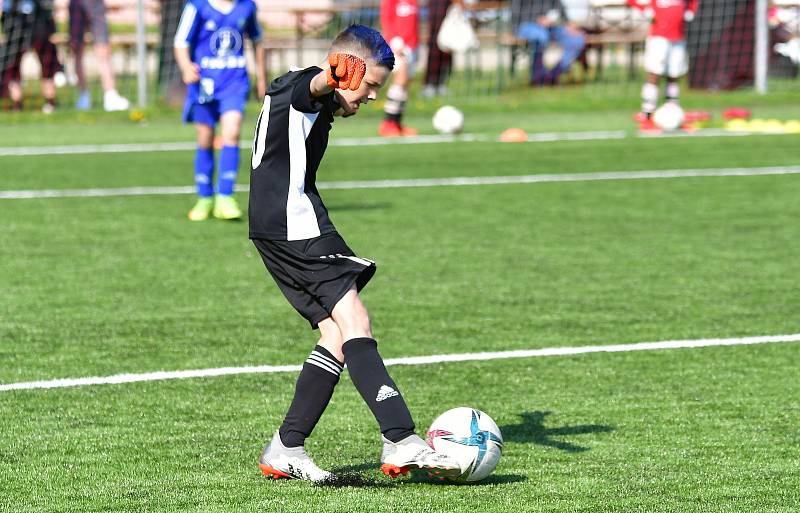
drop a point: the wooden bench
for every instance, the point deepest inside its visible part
(597, 43)
(610, 23)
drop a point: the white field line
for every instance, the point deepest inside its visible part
(601, 135)
(426, 182)
(414, 360)
(82, 149)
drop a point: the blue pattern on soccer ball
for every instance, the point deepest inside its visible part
(477, 438)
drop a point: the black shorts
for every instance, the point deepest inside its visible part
(314, 274)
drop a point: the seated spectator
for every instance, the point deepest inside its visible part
(541, 22)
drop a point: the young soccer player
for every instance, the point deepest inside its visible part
(311, 263)
(664, 53)
(399, 22)
(209, 50)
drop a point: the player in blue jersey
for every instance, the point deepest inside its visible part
(209, 49)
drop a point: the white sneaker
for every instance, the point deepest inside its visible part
(278, 461)
(112, 101)
(413, 453)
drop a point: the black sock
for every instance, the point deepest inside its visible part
(312, 393)
(372, 381)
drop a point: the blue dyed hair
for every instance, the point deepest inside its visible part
(365, 41)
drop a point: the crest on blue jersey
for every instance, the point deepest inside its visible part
(225, 41)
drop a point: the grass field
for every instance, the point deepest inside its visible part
(125, 284)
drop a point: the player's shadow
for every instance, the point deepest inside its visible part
(493, 479)
(352, 476)
(532, 430)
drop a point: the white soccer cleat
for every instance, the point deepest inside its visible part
(112, 101)
(413, 453)
(278, 461)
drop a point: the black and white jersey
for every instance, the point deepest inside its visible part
(290, 140)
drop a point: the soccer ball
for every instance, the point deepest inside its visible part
(669, 116)
(448, 120)
(470, 437)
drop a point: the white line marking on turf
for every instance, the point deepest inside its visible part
(413, 360)
(83, 149)
(426, 182)
(25, 151)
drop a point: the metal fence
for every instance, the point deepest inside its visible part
(731, 43)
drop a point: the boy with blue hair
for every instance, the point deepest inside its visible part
(313, 266)
(209, 50)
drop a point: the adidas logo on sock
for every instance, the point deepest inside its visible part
(385, 393)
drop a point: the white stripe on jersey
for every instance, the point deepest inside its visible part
(301, 220)
(185, 25)
(260, 141)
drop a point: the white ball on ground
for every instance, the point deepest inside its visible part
(448, 120)
(669, 116)
(469, 436)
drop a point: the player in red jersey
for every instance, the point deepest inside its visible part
(399, 23)
(665, 51)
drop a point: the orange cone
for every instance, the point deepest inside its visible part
(514, 135)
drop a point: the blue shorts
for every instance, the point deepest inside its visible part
(208, 113)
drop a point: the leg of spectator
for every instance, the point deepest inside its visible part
(572, 42)
(436, 57)
(102, 52)
(538, 38)
(15, 93)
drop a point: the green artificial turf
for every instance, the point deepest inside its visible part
(126, 284)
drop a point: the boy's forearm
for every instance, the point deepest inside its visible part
(319, 85)
(261, 63)
(182, 57)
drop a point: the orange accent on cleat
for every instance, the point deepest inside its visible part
(272, 472)
(648, 126)
(393, 470)
(389, 128)
(407, 131)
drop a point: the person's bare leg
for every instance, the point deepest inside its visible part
(48, 87)
(102, 52)
(15, 91)
(80, 73)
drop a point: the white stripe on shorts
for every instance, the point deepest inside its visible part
(358, 260)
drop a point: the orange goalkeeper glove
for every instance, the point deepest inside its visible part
(346, 71)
